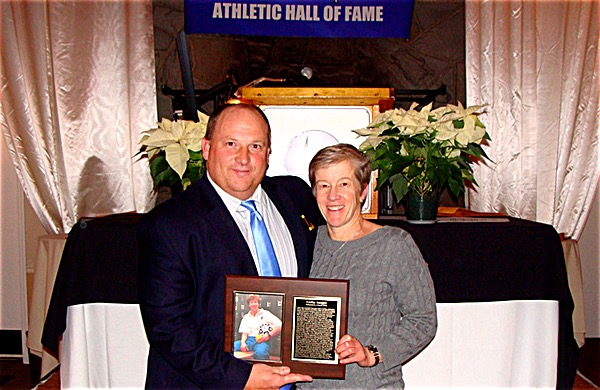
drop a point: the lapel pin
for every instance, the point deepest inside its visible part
(310, 225)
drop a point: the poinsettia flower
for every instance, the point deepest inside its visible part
(370, 143)
(446, 132)
(412, 121)
(452, 112)
(470, 132)
(454, 153)
(176, 138)
(430, 142)
(372, 130)
(386, 116)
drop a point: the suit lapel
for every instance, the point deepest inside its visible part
(225, 227)
(291, 216)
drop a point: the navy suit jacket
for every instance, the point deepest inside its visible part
(186, 247)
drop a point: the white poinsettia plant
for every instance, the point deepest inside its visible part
(174, 151)
(425, 151)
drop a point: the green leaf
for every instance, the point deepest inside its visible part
(383, 178)
(399, 186)
(195, 171)
(168, 177)
(196, 155)
(478, 123)
(185, 183)
(457, 187)
(158, 164)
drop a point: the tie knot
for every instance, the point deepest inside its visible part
(249, 204)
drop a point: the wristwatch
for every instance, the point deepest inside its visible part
(373, 349)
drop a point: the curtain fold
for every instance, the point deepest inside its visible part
(536, 63)
(78, 88)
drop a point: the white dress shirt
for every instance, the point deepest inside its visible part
(278, 230)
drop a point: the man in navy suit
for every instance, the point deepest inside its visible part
(189, 243)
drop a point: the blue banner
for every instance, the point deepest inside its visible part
(311, 18)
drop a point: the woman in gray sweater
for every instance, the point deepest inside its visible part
(392, 300)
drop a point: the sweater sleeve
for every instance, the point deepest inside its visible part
(414, 318)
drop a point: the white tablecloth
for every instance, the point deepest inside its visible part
(490, 344)
(49, 252)
(104, 346)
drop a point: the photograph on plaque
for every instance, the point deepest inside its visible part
(257, 326)
(300, 319)
(315, 331)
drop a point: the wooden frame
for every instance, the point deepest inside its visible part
(323, 116)
(381, 99)
(322, 302)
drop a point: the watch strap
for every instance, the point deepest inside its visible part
(373, 349)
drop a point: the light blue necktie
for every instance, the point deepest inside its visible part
(264, 248)
(262, 242)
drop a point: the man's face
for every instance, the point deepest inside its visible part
(237, 156)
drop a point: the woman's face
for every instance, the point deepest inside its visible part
(254, 306)
(338, 194)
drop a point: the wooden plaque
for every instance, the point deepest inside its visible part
(313, 313)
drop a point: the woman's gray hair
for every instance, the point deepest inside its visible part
(336, 154)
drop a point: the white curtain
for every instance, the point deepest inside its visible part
(77, 86)
(536, 64)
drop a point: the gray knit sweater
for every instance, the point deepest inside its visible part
(391, 302)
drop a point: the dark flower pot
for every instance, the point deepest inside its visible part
(421, 209)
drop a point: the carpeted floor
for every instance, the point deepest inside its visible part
(4, 379)
(15, 375)
(589, 359)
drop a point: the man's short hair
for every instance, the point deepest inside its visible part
(218, 112)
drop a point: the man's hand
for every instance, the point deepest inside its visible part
(263, 376)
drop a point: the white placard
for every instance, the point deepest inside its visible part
(299, 132)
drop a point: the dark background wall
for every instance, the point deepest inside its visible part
(433, 56)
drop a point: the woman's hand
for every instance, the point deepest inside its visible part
(350, 350)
